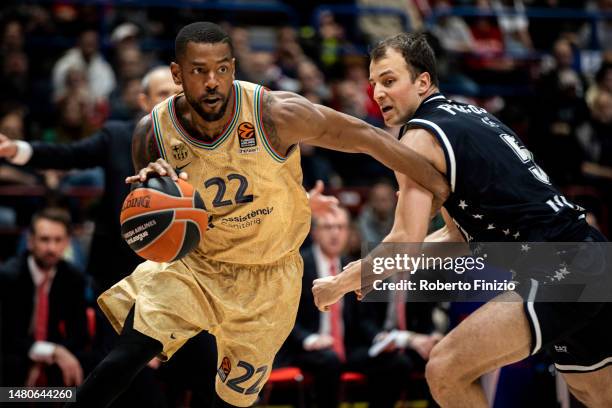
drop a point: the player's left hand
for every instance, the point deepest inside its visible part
(326, 292)
(321, 204)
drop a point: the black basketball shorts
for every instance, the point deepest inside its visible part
(578, 335)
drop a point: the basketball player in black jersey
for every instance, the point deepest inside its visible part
(498, 193)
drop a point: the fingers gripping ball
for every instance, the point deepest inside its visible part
(163, 220)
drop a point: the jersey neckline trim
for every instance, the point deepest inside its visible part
(227, 130)
(434, 97)
(157, 134)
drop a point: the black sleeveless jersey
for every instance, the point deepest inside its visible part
(498, 192)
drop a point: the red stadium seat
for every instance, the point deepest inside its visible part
(285, 377)
(91, 322)
(349, 381)
(353, 377)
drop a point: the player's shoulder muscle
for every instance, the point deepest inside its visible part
(286, 115)
(425, 143)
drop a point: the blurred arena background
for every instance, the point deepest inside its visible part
(543, 66)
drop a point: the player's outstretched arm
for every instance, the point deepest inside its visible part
(145, 154)
(410, 226)
(289, 119)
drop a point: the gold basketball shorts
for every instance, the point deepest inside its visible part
(250, 309)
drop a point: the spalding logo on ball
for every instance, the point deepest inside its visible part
(163, 220)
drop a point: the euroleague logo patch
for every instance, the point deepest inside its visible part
(246, 137)
(224, 369)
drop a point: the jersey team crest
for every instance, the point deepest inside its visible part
(179, 152)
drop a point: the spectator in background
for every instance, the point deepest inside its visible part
(332, 46)
(350, 100)
(86, 57)
(15, 81)
(130, 64)
(376, 218)
(452, 32)
(44, 324)
(315, 166)
(12, 37)
(514, 25)
(245, 60)
(125, 35)
(561, 109)
(595, 138)
(312, 81)
(389, 341)
(603, 83)
(488, 61)
(597, 35)
(316, 343)
(377, 26)
(289, 52)
(111, 258)
(126, 106)
(263, 70)
(357, 75)
(486, 31)
(111, 149)
(12, 124)
(75, 109)
(545, 31)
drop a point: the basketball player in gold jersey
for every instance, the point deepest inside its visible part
(238, 142)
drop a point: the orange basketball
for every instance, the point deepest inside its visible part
(163, 220)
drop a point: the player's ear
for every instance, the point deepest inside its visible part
(233, 68)
(176, 73)
(423, 82)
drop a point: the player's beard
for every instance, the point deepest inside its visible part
(208, 116)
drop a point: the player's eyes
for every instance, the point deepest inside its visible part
(388, 82)
(223, 70)
(197, 70)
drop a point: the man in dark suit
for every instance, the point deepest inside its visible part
(389, 341)
(111, 258)
(316, 343)
(43, 309)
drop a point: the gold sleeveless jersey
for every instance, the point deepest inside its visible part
(257, 206)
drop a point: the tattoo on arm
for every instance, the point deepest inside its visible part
(268, 121)
(144, 146)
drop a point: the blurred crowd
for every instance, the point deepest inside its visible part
(68, 69)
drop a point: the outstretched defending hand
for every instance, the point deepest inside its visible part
(326, 292)
(321, 204)
(8, 147)
(160, 167)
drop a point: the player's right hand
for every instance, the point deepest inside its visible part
(8, 147)
(158, 167)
